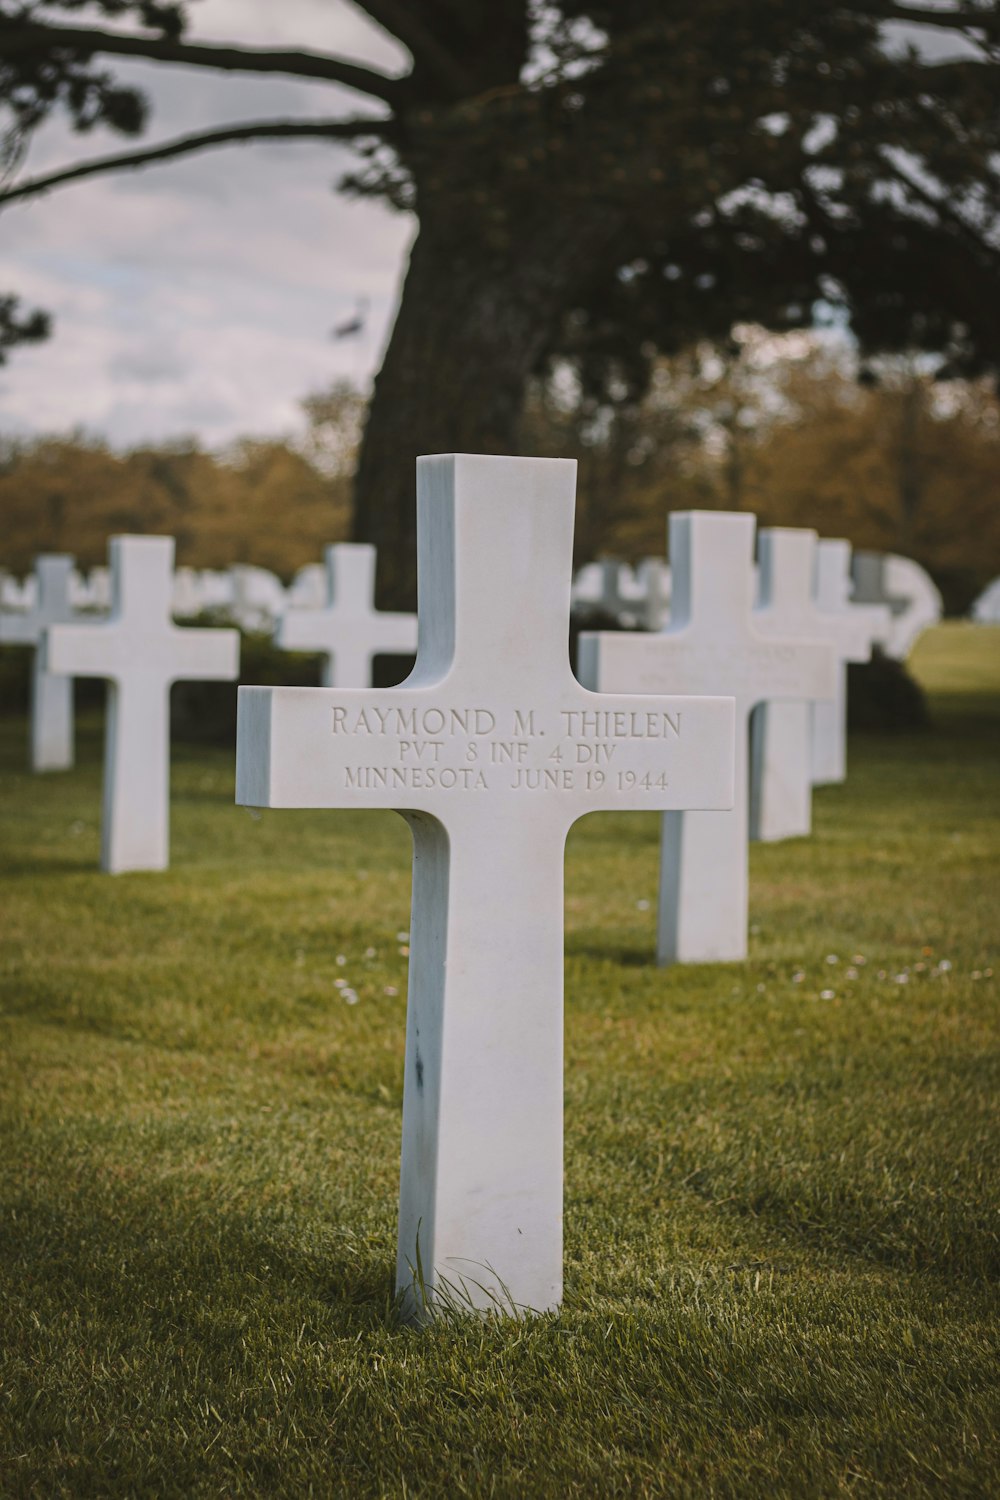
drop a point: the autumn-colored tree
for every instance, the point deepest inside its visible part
(607, 180)
(792, 429)
(70, 494)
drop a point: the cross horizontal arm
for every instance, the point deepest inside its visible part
(19, 629)
(752, 668)
(100, 650)
(427, 749)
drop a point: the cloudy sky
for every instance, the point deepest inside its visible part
(198, 297)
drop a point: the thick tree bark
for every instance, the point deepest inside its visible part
(470, 330)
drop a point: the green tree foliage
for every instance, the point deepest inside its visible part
(17, 327)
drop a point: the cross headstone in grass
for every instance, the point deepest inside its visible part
(257, 597)
(613, 588)
(51, 746)
(864, 626)
(141, 652)
(491, 750)
(348, 630)
(780, 733)
(713, 645)
(908, 589)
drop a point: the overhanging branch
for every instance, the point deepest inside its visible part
(964, 19)
(399, 19)
(259, 130)
(24, 39)
(946, 211)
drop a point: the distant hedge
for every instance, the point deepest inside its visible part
(882, 696)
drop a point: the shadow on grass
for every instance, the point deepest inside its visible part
(26, 868)
(610, 952)
(167, 1262)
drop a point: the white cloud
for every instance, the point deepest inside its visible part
(198, 297)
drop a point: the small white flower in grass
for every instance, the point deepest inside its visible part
(642, 905)
(391, 989)
(851, 973)
(340, 983)
(827, 994)
(760, 989)
(944, 967)
(832, 958)
(977, 974)
(798, 976)
(341, 960)
(859, 959)
(404, 950)
(350, 996)
(369, 953)
(987, 973)
(402, 937)
(901, 978)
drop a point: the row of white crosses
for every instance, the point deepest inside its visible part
(779, 658)
(803, 593)
(491, 750)
(140, 652)
(348, 632)
(640, 598)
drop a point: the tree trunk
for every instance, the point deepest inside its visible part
(910, 468)
(474, 321)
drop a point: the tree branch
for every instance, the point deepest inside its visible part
(398, 19)
(33, 37)
(951, 20)
(186, 144)
(945, 211)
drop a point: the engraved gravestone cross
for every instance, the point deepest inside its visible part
(141, 652)
(348, 629)
(491, 750)
(713, 645)
(51, 693)
(864, 626)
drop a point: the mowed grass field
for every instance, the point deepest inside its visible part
(781, 1177)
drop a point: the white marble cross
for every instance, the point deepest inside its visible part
(866, 625)
(653, 574)
(611, 586)
(348, 629)
(713, 645)
(258, 597)
(913, 598)
(780, 733)
(141, 652)
(491, 750)
(51, 693)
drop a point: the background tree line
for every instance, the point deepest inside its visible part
(786, 426)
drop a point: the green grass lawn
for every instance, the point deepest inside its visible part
(781, 1197)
